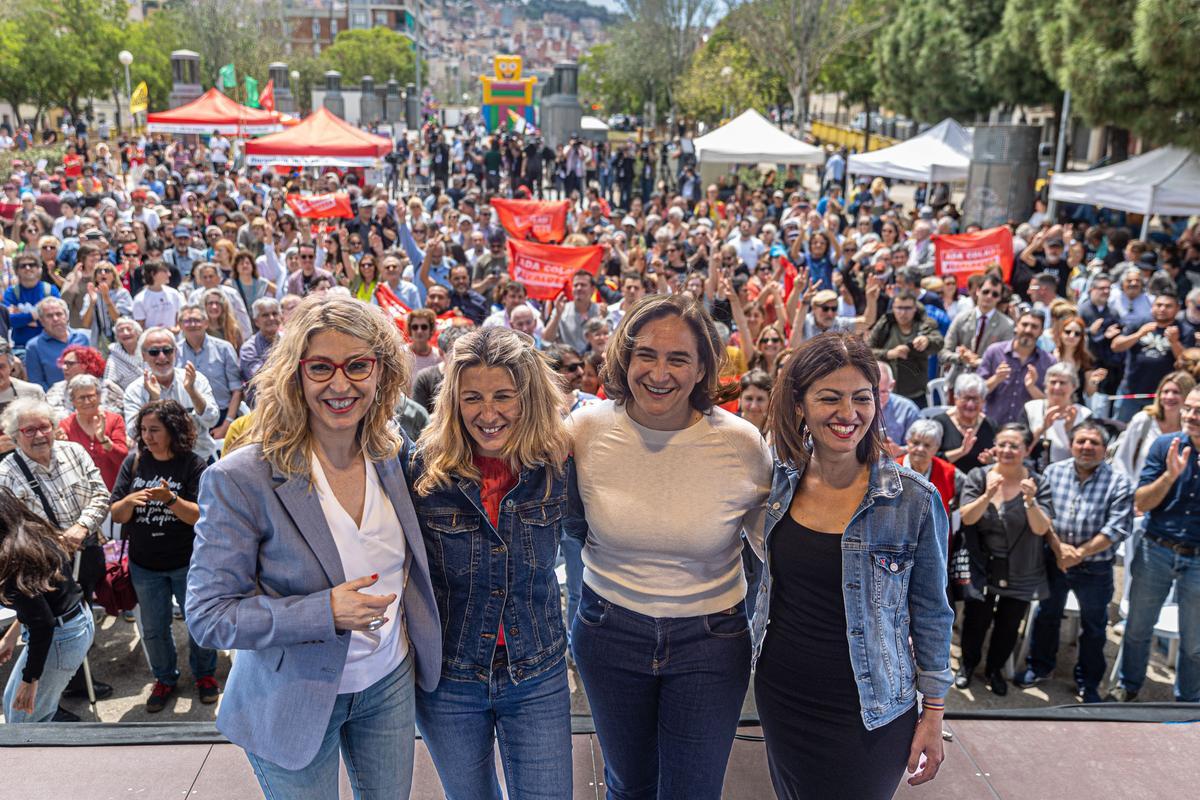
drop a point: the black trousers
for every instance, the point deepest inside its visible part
(1003, 615)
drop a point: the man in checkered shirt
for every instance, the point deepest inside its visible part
(1093, 512)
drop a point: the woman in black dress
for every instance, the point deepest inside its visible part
(855, 571)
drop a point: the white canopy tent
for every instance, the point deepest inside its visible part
(940, 154)
(1163, 181)
(751, 139)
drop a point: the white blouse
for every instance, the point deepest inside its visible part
(375, 546)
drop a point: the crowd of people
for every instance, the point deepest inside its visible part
(188, 367)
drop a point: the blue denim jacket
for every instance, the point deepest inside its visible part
(483, 574)
(894, 573)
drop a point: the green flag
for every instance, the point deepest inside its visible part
(228, 76)
(251, 92)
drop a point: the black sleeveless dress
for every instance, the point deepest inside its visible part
(817, 745)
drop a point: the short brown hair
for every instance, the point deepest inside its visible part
(813, 360)
(709, 391)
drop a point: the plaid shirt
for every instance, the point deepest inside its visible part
(72, 484)
(1101, 504)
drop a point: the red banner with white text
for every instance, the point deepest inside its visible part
(546, 269)
(546, 220)
(321, 206)
(967, 254)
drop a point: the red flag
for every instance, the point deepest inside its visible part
(966, 254)
(394, 306)
(321, 206)
(546, 269)
(546, 220)
(266, 98)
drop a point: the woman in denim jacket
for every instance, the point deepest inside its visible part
(855, 568)
(490, 492)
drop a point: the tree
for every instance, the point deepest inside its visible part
(930, 58)
(378, 52)
(706, 93)
(151, 41)
(796, 38)
(659, 40)
(1131, 64)
(247, 35)
(609, 75)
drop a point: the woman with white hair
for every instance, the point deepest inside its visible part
(125, 364)
(967, 434)
(923, 440)
(1051, 418)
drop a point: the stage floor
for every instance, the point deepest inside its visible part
(987, 759)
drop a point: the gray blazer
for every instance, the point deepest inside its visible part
(962, 332)
(263, 565)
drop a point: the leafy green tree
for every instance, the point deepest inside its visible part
(151, 41)
(706, 93)
(930, 60)
(378, 52)
(247, 35)
(608, 75)
(795, 39)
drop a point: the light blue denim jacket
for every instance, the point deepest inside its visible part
(894, 588)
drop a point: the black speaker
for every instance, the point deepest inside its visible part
(1002, 175)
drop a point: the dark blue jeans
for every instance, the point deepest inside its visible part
(155, 588)
(1092, 583)
(666, 695)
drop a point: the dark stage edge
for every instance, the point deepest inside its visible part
(986, 759)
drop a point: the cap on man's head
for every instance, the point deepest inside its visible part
(182, 230)
(628, 220)
(824, 296)
(138, 194)
(926, 212)
(1055, 242)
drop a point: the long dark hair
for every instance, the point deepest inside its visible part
(30, 556)
(813, 360)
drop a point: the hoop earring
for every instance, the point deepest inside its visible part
(806, 439)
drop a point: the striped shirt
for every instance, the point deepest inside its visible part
(1101, 504)
(71, 483)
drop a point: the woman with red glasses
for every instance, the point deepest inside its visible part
(309, 559)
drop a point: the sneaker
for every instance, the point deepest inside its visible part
(208, 689)
(962, 678)
(1028, 679)
(1090, 696)
(158, 697)
(1121, 695)
(128, 616)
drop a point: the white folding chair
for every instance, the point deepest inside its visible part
(935, 392)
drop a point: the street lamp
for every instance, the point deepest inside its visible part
(126, 58)
(726, 74)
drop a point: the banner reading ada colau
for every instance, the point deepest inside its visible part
(546, 220)
(321, 206)
(965, 254)
(546, 269)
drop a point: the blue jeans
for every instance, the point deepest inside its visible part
(154, 591)
(666, 696)
(67, 651)
(461, 721)
(1092, 583)
(572, 553)
(373, 732)
(1153, 571)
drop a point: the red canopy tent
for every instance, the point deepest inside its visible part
(213, 111)
(321, 140)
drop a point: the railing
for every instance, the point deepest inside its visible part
(827, 133)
